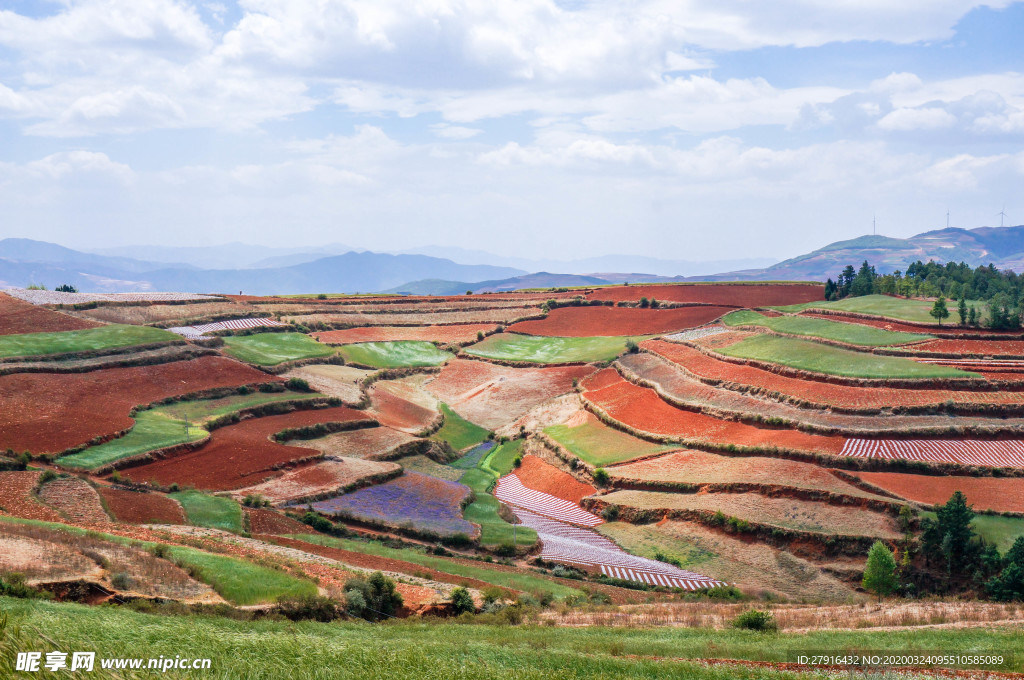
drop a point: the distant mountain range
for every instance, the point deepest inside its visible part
(261, 270)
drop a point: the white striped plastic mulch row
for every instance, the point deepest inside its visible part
(510, 490)
(659, 579)
(196, 332)
(1009, 453)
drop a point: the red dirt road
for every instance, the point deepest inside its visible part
(241, 454)
(575, 322)
(1003, 494)
(18, 316)
(736, 295)
(51, 412)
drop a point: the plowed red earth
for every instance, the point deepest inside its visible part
(992, 348)
(242, 454)
(18, 316)
(576, 322)
(491, 395)
(893, 325)
(535, 474)
(819, 392)
(642, 409)
(262, 521)
(48, 413)
(1002, 494)
(401, 414)
(17, 499)
(458, 333)
(735, 295)
(135, 507)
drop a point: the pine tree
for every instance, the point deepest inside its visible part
(939, 310)
(880, 571)
(961, 310)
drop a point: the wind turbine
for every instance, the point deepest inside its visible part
(1002, 215)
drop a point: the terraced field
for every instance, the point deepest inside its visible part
(18, 316)
(319, 479)
(135, 507)
(916, 311)
(484, 510)
(578, 322)
(536, 349)
(269, 349)
(598, 444)
(86, 340)
(728, 294)
(461, 333)
(396, 354)
(1001, 494)
(458, 431)
(852, 333)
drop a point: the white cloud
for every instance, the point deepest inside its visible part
(446, 131)
(71, 163)
(905, 120)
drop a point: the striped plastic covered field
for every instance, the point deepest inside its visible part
(965, 451)
(582, 546)
(196, 332)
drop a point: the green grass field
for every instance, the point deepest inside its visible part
(458, 431)
(813, 356)
(597, 444)
(887, 306)
(498, 462)
(214, 512)
(268, 349)
(241, 582)
(540, 349)
(416, 650)
(396, 354)
(854, 334)
(91, 339)
(164, 426)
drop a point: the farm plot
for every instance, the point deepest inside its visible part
(1002, 494)
(492, 396)
(642, 409)
(87, 340)
(852, 333)
(458, 431)
(18, 316)
(172, 314)
(822, 394)
(369, 443)
(788, 513)
(343, 382)
(53, 297)
(728, 294)
(169, 425)
(818, 358)
(264, 521)
(596, 443)
(752, 566)
(987, 453)
(269, 349)
(911, 327)
(135, 507)
(485, 509)
(536, 349)
(700, 467)
(462, 333)
(212, 512)
(424, 503)
(17, 497)
(76, 499)
(396, 354)
(511, 490)
(319, 479)
(535, 474)
(48, 413)
(242, 454)
(403, 404)
(426, 466)
(578, 322)
(503, 315)
(904, 309)
(197, 332)
(973, 348)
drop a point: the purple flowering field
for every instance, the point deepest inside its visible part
(426, 503)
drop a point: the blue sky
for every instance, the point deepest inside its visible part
(684, 129)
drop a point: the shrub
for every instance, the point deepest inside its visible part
(66, 288)
(601, 477)
(254, 500)
(479, 335)
(372, 599)
(462, 601)
(631, 346)
(610, 513)
(321, 296)
(756, 619)
(457, 540)
(654, 303)
(310, 608)
(318, 522)
(47, 477)
(298, 385)
(160, 550)
(121, 581)
(645, 303)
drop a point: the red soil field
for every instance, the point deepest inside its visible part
(76, 499)
(993, 348)
(263, 521)
(459, 333)
(642, 409)
(535, 474)
(18, 316)
(51, 412)
(734, 295)
(822, 393)
(401, 414)
(491, 395)
(135, 507)
(576, 322)
(241, 454)
(17, 499)
(1002, 494)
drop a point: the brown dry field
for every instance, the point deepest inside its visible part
(136, 507)
(985, 493)
(737, 295)
(76, 499)
(242, 454)
(461, 333)
(17, 499)
(18, 316)
(752, 566)
(535, 474)
(323, 477)
(700, 467)
(43, 561)
(426, 466)
(491, 395)
(343, 382)
(48, 413)
(369, 443)
(181, 315)
(789, 513)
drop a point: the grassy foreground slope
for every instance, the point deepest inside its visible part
(268, 349)
(92, 339)
(852, 333)
(818, 358)
(547, 350)
(259, 650)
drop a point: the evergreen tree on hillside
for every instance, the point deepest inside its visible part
(951, 534)
(880, 571)
(845, 281)
(939, 310)
(864, 282)
(961, 310)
